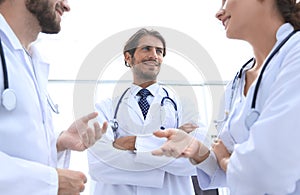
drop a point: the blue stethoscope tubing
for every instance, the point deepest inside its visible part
(8, 98)
(114, 121)
(254, 113)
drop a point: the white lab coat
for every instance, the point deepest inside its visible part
(27, 141)
(138, 173)
(265, 158)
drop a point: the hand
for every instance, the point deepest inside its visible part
(70, 182)
(125, 143)
(80, 136)
(180, 144)
(188, 127)
(221, 153)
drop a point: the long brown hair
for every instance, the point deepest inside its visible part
(290, 11)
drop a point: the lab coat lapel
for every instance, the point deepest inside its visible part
(132, 104)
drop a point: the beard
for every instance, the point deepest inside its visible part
(147, 76)
(45, 14)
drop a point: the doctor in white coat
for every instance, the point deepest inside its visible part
(121, 161)
(29, 148)
(258, 147)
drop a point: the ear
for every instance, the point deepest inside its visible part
(128, 58)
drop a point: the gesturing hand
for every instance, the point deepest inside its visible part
(188, 127)
(79, 135)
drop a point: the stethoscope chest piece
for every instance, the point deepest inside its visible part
(251, 118)
(9, 99)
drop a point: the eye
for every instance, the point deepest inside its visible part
(146, 48)
(159, 51)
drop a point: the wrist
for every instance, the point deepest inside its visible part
(201, 155)
(59, 143)
(224, 163)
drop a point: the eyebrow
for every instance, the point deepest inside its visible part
(150, 46)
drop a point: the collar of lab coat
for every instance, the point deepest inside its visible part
(8, 35)
(40, 65)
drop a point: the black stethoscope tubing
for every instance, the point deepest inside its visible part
(253, 104)
(4, 67)
(9, 93)
(254, 114)
(240, 72)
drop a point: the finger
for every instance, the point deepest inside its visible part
(91, 137)
(98, 130)
(157, 152)
(104, 127)
(164, 133)
(89, 117)
(82, 188)
(84, 139)
(84, 178)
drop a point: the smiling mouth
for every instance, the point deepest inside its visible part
(225, 22)
(59, 10)
(150, 63)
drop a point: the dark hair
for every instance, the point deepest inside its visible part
(290, 11)
(133, 41)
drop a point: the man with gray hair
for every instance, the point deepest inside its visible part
(121, 162)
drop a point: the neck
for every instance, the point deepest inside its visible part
(24, 24)
(262, 46)
(144, 84)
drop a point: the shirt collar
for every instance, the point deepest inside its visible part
(283, 31)
(152, 88)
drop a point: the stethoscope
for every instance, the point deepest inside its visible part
(114, 122)
(254, 114)
(9, 98)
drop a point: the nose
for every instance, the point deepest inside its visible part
(220, 13)
(65, 5)
(152, 53)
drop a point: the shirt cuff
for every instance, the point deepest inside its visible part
(209, 165)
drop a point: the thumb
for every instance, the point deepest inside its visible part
(160, 133)
(157, 152)
(165, 133)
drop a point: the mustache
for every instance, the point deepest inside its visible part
(155, 62)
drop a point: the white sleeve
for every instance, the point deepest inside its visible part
(268, 162)
(144, 146)
(209, 173)
(63, 159)
(19, 176)
(111, 165)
